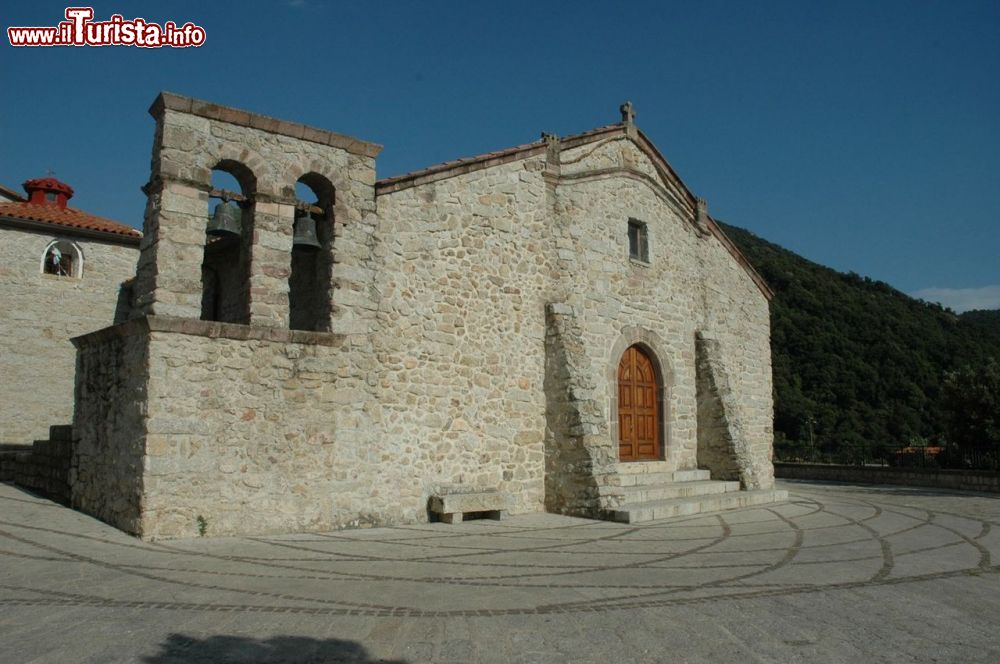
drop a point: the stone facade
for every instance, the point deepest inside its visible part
(41, 312)
(468, 339)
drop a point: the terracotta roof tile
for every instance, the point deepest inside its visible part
(65, 217)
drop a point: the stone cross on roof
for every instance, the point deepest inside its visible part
(628, 113)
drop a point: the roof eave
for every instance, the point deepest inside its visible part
(457, 167)
(50, 227)
(465, 165)
(14, 195)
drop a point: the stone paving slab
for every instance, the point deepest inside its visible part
(839, 573)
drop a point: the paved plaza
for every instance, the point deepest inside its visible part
(838, 573)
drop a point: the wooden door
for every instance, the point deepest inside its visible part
(638, 408)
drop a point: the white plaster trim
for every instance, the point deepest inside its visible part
(77, 258)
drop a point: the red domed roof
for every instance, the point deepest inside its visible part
(48, 184)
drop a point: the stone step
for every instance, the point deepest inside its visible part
(636, 479)
(61, 432)
(644, 467)
(643, 493)
(632, 467)
(695, 475)
(665, 509)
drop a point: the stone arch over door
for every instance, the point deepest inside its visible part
(650, 347)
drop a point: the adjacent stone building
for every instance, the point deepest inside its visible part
(558, 326)
(60, 275)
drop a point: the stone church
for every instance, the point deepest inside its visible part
(61, 269)
(558, 326)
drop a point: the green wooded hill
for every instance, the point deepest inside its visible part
(858, 365)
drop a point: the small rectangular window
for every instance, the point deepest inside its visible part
(638, 241)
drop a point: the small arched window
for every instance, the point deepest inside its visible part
(63, 258)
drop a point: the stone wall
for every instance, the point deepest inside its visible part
(41, 312)
(246, 429)
(466, 266)
(109, 424)
(257, 431)
(964, 480)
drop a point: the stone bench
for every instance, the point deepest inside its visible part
(450, 504)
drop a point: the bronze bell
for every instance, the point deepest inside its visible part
(305, 232)
(226, 221)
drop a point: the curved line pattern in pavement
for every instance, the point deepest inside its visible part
(825, 538)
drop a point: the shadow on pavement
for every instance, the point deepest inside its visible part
(180, 648)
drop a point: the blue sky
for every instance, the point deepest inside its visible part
(862, 135)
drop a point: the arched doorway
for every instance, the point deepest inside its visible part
(638, 407)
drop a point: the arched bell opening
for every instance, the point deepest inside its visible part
(225, 268)
(310, 282)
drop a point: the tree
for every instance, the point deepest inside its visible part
(865, 362)
(971, 398)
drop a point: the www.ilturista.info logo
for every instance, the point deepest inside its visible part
(79, 29)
